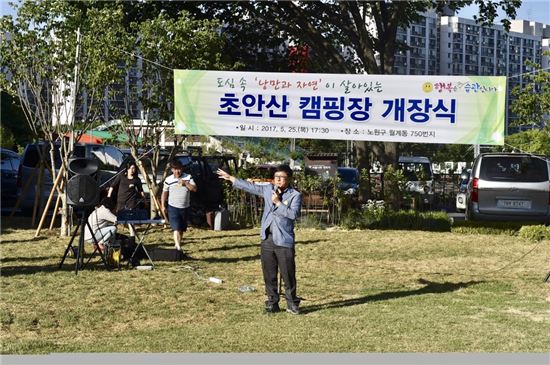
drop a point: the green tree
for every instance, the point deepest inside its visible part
(161, 44)
(365, 29)
(534, 141)
(14, 121)
(7, 140)
(531, 102)
(59, 56)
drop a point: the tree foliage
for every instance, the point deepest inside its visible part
(161, 44)
(344, 36)
(531, 102)
(59, 55)
(533, 141)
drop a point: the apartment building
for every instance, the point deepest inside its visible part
(422, 38)
(450, 45)
(437, 44)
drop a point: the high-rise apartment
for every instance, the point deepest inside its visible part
(449, 45)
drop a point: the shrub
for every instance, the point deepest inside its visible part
(376, 216)
(413, 220)
(311, 221)
(536, 233)
(502, 228)
(353, 219)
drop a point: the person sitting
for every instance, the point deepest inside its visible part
(102, 222)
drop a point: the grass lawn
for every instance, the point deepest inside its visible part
(364, 291)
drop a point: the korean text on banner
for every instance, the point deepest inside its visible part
(392, 108)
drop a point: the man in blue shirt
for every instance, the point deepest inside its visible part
(282, 205)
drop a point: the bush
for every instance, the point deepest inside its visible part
(413, 220)
(376, 216)
(313, 221)
(503, 228)
(353, 219)
(535, 233)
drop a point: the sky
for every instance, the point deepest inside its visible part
(537, 10)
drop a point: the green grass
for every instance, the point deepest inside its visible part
(365, 291)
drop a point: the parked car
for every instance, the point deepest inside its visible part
(419, 174)
(509, 186)
(110, 160)
(349, 180)
(462, 188)
(9, 167)
(210, 194)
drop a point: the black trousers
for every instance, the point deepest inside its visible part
(276, 258)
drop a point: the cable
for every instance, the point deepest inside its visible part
(532, 72)
(171, 69)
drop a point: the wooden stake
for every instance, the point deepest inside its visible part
(57, 180)
(38, 196)
(55, 211)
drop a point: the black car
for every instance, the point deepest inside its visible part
(210, 192)
(10, 165)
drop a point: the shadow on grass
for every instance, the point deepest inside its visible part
(308, 242)
(229, 259)
(31, 270)
(231, 235)
(34, 239)
(25, 259)
(235, 247)
(429, 288)
(228, 247)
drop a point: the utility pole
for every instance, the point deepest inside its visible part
(74, 89)
(292, 150)
(477, 150)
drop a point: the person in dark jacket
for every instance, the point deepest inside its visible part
(282, 205)
(129, 192)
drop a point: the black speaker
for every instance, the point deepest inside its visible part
(82, 187)
(83, 166)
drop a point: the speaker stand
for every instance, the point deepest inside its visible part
(79, 265)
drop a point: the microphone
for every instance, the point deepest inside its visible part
(280, 194)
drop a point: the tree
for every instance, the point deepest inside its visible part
(7, 140)
(160, 45)
(531, 102)
(365, 30)
(535, 141)
(13, 120)
(59, 56)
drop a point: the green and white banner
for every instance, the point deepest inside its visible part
(393, 108)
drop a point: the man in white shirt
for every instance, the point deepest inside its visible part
(176, 191)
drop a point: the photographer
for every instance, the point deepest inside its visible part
(282, 205)
(102, 223)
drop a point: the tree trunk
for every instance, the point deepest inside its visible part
(363, 154)
(64, 229)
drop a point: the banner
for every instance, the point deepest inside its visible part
(393, 108)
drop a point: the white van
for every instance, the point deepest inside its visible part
(509, 187)
(420, 177)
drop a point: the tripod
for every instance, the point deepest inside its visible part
(83, 223)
